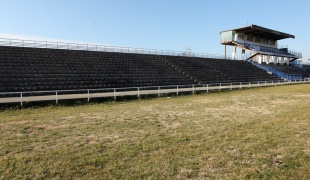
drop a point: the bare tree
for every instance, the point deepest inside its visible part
(187, 51)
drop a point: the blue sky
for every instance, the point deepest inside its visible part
(160, 24)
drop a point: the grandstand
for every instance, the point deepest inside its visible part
(29, 67)
(37, 69)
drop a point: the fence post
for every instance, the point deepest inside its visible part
(240, 86)
(249, 84)
(207, 87)
(21, 99)
(138, 92)
(88, 95)
(193, 89)
(56, 97)
(158, 91)
(230, 86)
(177, 90)
(114, 93)
(265, 83)
(220, 87)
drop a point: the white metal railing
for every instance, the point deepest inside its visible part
(22, 97)
(101, 48)
(259, 47)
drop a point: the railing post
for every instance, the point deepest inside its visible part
(21, 99)
(258, 84)
(265, 83)
(138, 92)
(220, 87)
(177, 90)
(56, 97)
(193, 89)
(207, 87)
(249, 84)
(114, 93)
(240, 85)
(230, 86)
(88, 95)
(158, 91)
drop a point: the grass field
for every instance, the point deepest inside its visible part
(261, 133)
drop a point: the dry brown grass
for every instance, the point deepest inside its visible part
(261, 133)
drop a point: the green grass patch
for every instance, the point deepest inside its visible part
(261, 133)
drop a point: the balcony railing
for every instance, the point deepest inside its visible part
(258, 47)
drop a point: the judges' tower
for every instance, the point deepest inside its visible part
(262, 43)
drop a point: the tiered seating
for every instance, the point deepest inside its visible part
(205, 70)
(34, 69)
(29, 69)
(289, 69)
(306, 68)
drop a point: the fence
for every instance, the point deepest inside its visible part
(22, 97)
(100, 48)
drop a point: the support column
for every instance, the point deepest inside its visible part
(234, 53)
(288, 61)
(260, 59)
(275, 60)
(281, 60)
(225, 51)
(267, 59)
(243, 54)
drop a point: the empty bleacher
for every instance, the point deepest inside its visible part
(205, 70)
(289, 69)
(35, 69)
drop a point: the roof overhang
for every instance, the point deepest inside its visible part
(262, 32)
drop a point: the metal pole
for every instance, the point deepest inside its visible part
(220, 87)
(158, 91)
(56, 97)
(88, 95)
(21, 99)
(114, 94)
(177, 90)
(249, 84)
(193, 89)
(138, 92)
(230, 86)
(240, 86)
(207, 87)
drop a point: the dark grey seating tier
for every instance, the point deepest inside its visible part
(35, 69)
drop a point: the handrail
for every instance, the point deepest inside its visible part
(258, 47)
(101, 48)
(278, 72)
(56, 95)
